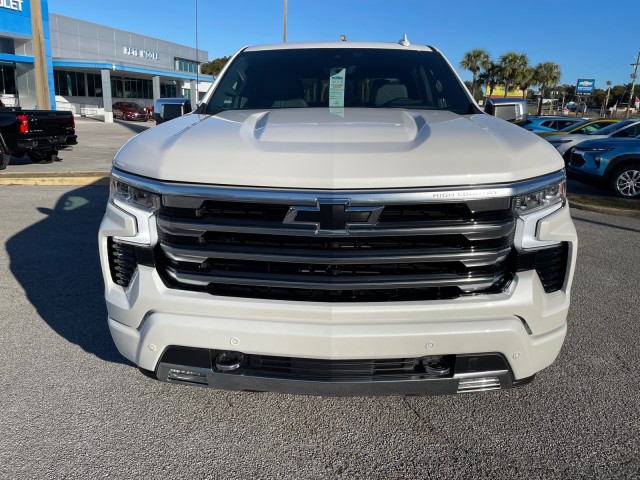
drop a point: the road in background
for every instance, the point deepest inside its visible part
(72, 407)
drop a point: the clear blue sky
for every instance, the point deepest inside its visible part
(587, 38)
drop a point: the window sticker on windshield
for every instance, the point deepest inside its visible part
(336, 88)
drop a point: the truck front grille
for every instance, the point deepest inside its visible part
(392, 251)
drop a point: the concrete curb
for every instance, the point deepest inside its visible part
(56, 179)
(624, 212)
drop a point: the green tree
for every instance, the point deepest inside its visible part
(620, 94)
(597, 97)
(491, 76)
(527, 79)
(475, 60)
(214, 66)
(547, 74)
(513, 65)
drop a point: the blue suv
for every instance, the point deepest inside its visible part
(608, 162)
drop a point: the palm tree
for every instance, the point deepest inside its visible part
(547, 73)
(527, 78)
(474, 61)
(513, 64)
(491, 76)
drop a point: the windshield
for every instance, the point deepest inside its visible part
(572, 126)
(131, 105)
(339, 78)
(611, 128)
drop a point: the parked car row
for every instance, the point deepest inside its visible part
(582, 127)
(600, 152)
(549, 124)
(608, 162)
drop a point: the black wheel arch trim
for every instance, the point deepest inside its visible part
(617, 161)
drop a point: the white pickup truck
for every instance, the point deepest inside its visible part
(338, 219)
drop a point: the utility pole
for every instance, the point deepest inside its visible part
(634, 77)
(195, 96)
(603, 113)
(40, 62)
(284, 35)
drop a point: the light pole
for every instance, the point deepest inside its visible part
(284, 35)
(634, 76)
(603, 113)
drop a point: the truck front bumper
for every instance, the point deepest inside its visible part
(524, 325)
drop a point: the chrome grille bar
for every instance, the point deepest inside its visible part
(468, 284)
(318, 257)
(473, 231)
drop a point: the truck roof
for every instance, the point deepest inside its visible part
(302, 45)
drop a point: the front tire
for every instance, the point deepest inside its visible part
(4, 159)
(625, 181)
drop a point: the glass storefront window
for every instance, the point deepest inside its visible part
(69, 84)
(7, 79)
(125, 87)
(186, 65)
(94, 85)
(168, 91)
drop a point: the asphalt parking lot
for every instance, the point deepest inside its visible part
(74, 408)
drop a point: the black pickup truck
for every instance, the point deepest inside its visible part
(36, 133)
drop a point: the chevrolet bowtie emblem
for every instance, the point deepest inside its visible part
(333, 215)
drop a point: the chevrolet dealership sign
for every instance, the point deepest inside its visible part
(585, 86)
(12, 4)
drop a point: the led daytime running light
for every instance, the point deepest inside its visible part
(545, 197)
(133, 195)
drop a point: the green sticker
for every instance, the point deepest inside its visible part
(336, 87)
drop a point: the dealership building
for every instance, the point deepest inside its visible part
(91, 66)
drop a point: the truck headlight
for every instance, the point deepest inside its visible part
(133, 195)
(531, 207)
(544, 198)
(140, 204)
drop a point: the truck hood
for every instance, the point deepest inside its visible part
(343, 149)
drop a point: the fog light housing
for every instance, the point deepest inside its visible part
(435, 365)
(229, 361)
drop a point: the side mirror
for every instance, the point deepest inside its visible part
(514, 111)
(166, 109)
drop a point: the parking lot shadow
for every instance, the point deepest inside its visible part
(136, 127)
(56, 263)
